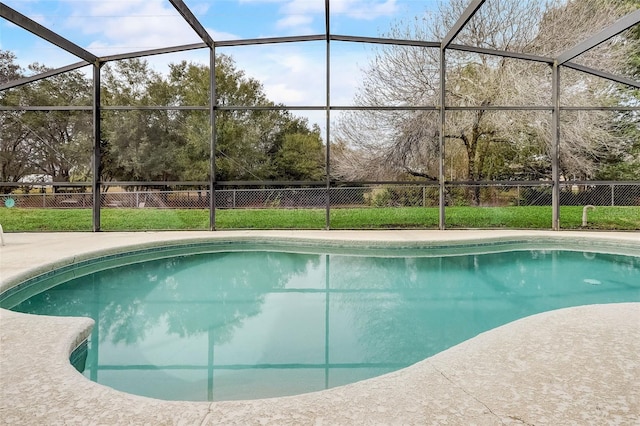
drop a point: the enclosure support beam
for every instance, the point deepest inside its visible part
(461, 22)
(616, 28)
(192, 21)
(46, 74)
(270, 40)
(97, 149)
(379, 40)
(441, 142)
(603, 74)
(555, 147)
(328, 119)
(213, 136)
(152, 52)
(45, 33)
(501, 53)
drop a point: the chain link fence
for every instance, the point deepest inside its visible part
(238, 198)
(46, 199)
(387, 204)
(585, 193)
(499, 195)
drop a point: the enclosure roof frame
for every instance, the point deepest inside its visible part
(603, 74)
(191, 19)
(474, 6)
(462, 22)
(153, 52)
(45, 33)
(605, 34)
(56, 71)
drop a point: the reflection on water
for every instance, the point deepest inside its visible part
(241, 325)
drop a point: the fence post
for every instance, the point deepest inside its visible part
(613, 191)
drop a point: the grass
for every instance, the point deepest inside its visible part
(533, 217)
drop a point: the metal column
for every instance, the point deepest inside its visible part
(555, 147)
(212, 142)
(328, 120)
(97, 149)
(441, 142)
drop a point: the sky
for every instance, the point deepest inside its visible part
(292, 73)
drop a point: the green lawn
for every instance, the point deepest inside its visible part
(534, 217)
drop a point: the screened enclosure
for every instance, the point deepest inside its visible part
(126, 115)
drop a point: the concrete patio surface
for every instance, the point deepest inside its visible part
(572, 366)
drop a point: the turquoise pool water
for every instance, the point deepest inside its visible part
(259, 323)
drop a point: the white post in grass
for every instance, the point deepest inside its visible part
(584, 214)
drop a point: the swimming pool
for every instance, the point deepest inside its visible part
(349, 316)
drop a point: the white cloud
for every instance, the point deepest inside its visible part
(364, 10)
(297, 63)
(293, 21)
(290, 74)
(134, 25)
(221, 35)
(303, 7)
(295, 74)
(284, 93)
(261, 1)
(199, 8)
(107, 8)
(347, 73)
(300, 13)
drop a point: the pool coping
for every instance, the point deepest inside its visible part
(575, 365)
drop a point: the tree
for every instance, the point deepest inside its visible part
(625, 165)
(251, 144)
(153, 144)
(495, 144)
(52, 143)
(14, 149)
(61, 139)
(300, 157)
(9, 70)
(139, 145)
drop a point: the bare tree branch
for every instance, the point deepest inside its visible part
(396, 143)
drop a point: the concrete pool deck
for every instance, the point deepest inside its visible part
(571, 366)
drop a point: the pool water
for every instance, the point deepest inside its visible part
(255, 324)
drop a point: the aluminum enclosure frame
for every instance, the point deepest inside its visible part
(89, 59)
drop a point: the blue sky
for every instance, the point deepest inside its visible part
(292, 73)
(134, 24)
